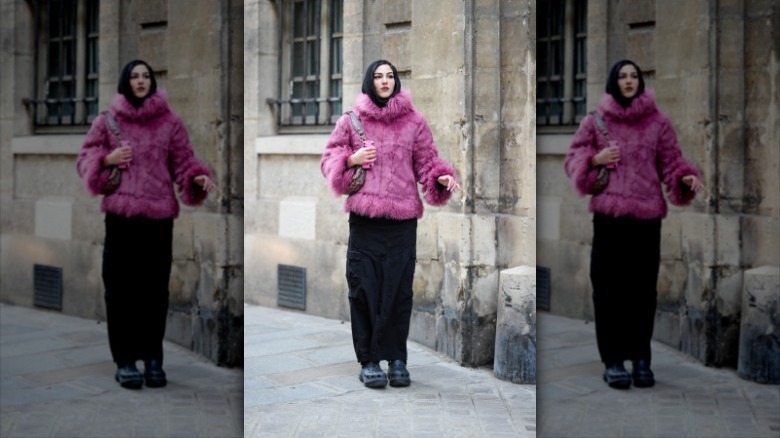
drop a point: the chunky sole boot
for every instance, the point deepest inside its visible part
(154, 374)
(398, 374)
(617, 377)
(372, 375)
(642, 374)
(128, 376)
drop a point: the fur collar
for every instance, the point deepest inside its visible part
(395, 108)
(153, 107)
(641, 107)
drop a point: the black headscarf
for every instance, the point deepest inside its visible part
(125, 89)
(368, 83)
(614, 89)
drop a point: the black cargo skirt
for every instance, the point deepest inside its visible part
(380, 272)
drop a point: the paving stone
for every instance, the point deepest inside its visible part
(62, 384)
(688, 400)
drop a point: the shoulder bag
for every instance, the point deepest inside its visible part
(602, 177)
(115, 174)
(359, 177)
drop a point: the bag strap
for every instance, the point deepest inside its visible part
(113, 125)
(601, 125)
(357, 124)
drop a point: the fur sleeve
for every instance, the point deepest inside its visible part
(333, 164)
(577, 164)
(89, 163)
(428, 167)
(672, 167)
(185, 167)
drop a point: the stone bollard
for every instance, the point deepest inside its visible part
(515, 353)
(759, 334)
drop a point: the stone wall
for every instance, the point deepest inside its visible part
(720, 91)
(469, 66)
(47, 216)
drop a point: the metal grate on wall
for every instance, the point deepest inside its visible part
(543, 288)
(291, 282)
(47, 284)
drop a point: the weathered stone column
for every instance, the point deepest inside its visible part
(759, 336)
(515, 354)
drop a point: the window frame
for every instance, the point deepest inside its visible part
(321, 71)
(78, 68)
(562, 55)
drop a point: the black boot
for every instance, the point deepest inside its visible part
(128, 376)
(616, 376)
(154, 374)
(642, 374)
(398, 374)
(372, 375)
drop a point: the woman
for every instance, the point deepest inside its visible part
(383, 215)
(627, 216)
(155, 153)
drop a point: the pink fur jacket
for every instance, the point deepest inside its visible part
(162, 155)
(650, 155)
(406, 155)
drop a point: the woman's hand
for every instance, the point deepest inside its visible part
(362, 156)
(693, 182)
(449, 182)
(205, 182)
(120, 155)
(606, 156)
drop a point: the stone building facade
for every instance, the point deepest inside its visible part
(61, 62)
(714, 69)
(469, 66)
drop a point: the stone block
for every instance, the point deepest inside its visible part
(327, 289)
(262, 217)
(484, 239)
(53, 218)
(427, 284)
(88, 223)
(153, 50)
(729, 245)
(549, 211)
(759, 340)
(515, 349)
(641, 48)
(298, 218)
(760, 240)
(427, 236)
(671, 238)
(398, 11)
(516, 241)
(641, 11)
(397, 49)
(152, 11)
(332, 222)
(183, 238)
(45, 176)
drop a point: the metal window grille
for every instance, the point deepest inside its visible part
(291, 285)
(543, 288)
(561, 61)
(310, 85)
(66, 63)
(47, 287)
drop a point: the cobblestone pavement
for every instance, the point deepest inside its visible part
(301, 380)
(57, 380)
(688, 400)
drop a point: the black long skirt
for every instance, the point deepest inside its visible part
(136, 268)
(624, 271)
(380, 271)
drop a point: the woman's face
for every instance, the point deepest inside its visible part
(628, 81)
(140, 81)
(384, 81)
